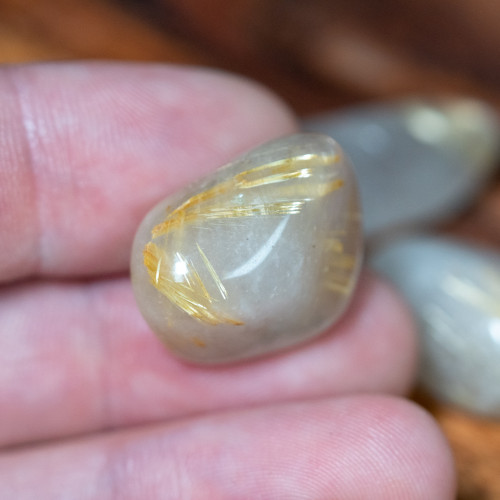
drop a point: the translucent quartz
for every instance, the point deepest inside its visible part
(262, 254)
(454, 291)
(417, 160)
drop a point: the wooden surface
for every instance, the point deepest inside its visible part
(316, 58)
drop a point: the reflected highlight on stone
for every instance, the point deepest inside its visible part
(257, 257)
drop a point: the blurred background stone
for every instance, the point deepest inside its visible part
(454, 292)
(418, 161)
(318, 55)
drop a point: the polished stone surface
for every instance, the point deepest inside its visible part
(454, 291)
(417, 161)
(257, 257)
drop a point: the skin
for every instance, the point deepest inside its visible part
(92, 406)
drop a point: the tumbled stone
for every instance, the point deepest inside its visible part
(417, 161)
(262, 254)
(454, 291)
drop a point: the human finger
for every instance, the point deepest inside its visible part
(79, 358)
(86, 149)
(350, 448)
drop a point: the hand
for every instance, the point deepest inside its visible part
(101, 409)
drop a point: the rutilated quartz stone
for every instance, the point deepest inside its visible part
(259, 256)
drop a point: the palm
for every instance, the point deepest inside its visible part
(85, 150)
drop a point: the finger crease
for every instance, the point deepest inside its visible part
(30, 146)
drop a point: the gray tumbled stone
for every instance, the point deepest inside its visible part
(454, 291)
(417, 161)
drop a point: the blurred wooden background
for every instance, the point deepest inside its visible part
(317, 55)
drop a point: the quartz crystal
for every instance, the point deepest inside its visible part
(454, 291)
(262, 254)
(418, 161)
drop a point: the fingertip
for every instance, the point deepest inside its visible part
(263, 113)
(368, 446)
(412, 439)
(376, 447)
